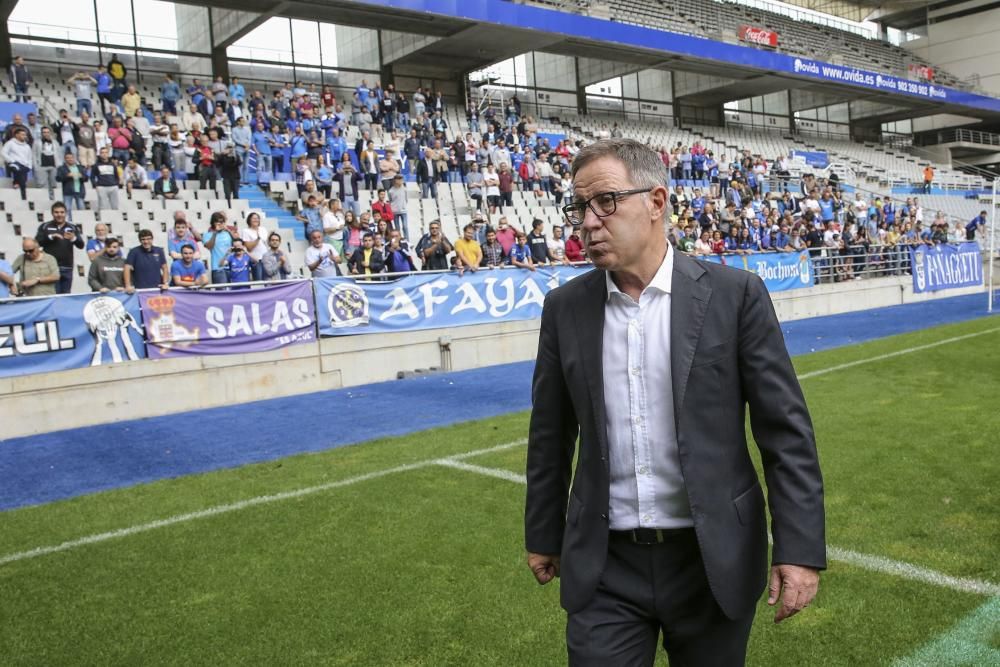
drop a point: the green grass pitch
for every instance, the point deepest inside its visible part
(425, 565)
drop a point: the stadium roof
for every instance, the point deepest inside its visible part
(900, 14)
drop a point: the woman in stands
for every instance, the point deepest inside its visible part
(718, 244)
(746, 244)
(254, 240)
(352, 234)
(703, 246)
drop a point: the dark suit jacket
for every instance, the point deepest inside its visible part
(726, 352)
(425, 175)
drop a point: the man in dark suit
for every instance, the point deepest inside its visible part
(427, 176)
(652, 360)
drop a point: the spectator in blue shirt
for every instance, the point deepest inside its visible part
(188, 272)
(103, 88)
(977, 223)
(146, 265)
(278, 143)
(237, 93)
(170, 92)
(311, 216)
(520, 253)
(8, 284)
(262, 146)
(218, 240)
(337, 146)
(237, 263)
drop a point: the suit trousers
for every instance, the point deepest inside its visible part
(646, 590)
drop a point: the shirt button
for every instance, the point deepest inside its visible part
(647, 518)
(643, 470)
(636, 370)
(636, 420)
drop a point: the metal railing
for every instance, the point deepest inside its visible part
(961, 135)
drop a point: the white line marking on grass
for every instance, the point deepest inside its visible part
(243, 504)
(897, 353)
(913, 572)
(865, 561)
(500, 473)
(893, 567)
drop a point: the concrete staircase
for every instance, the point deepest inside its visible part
(287, 225)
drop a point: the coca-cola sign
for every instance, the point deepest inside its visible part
(749, 33)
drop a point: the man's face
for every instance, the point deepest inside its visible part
(620, 239)
(491, 237)
(29, 249)
(112, 248)
(104, 153)
(181, 228)
(59, 214)
(187, 255)
(146, 242)
(368, 242)
(238, 248)
(435, 230)
(468, 234)
(274, 242)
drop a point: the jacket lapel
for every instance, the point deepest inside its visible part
(689, 297)
(589, 317)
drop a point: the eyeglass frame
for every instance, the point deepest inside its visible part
(582, 206)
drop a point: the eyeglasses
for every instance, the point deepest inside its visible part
(603, 205)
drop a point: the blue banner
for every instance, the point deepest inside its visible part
(635, 37)
(779, 270)
(8, 109)
(818, 159)
(44, 335)
(946, 266)
(435, 300)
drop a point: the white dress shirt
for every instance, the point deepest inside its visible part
(647, 487)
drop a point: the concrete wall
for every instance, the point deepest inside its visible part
(82, 397)
(965, 46)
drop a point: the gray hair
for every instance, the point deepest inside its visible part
(642, 164)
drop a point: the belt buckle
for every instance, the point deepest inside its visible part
(647, 536)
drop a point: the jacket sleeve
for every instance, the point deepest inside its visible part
(784, 436)
(93, 278)
(552, 435)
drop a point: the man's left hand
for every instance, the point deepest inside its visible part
(795, 585)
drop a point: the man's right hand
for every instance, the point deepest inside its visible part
(545, 567)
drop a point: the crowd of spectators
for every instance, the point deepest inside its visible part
(213, 131)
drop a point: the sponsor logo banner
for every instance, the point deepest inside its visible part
(45, 335)
(435, 300)
(760, 36)
(946, 266)
(779, 270)
(180, 322)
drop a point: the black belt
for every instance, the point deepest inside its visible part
(648, 536)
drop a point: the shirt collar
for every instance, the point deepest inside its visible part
(661, 280)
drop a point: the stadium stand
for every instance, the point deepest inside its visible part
(876, 171)
(721, 19)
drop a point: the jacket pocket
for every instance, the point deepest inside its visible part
(712, 354)
(750, 504)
